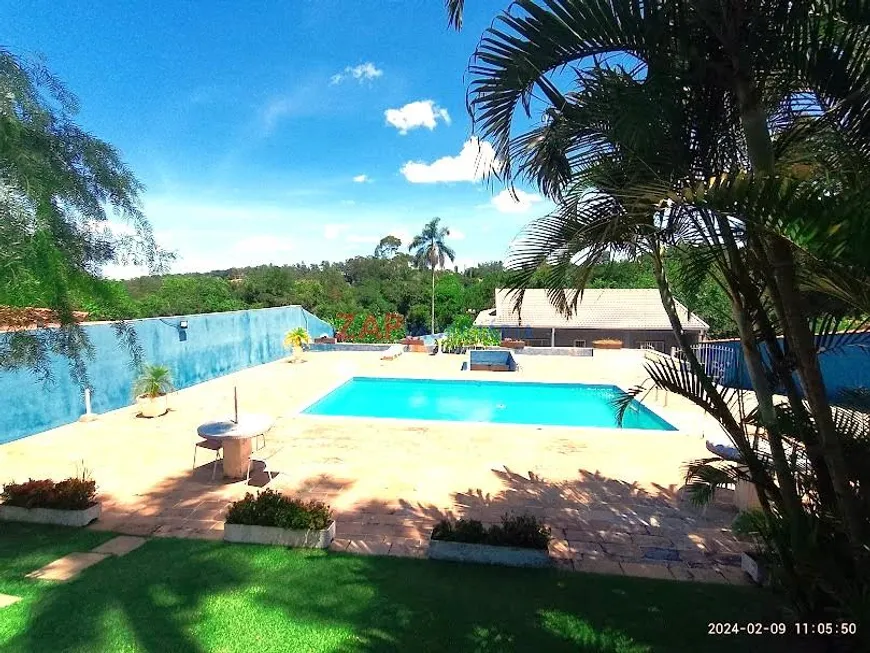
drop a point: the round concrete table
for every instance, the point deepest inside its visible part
(236, 438)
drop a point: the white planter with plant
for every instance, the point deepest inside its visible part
(151, 389)
(519, 541)
(71, 502)
(295, 340)
(272, 518)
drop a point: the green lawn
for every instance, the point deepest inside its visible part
(182, 595)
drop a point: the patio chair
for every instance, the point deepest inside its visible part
(212, 445)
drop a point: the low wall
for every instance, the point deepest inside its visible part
(212, 345)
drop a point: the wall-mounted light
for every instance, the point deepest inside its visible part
(182, 324)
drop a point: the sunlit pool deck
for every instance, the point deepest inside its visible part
(609, 495)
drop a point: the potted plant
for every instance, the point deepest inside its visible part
(519, 541)
(607, 344)
(151, 390)
(71, 502)
(749, 525)
(296, 339)
(272, 518)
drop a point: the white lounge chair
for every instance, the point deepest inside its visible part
(393, 352)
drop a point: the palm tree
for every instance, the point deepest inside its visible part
(430, 251)
(738, 134)
(295, 339)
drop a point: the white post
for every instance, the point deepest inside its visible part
(88, 416)
(553, 337)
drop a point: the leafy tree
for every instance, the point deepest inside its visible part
(56, 186)
(388, 247)
(430, 251)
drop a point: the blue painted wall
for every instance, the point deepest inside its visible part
(845, 364)
(212, 345)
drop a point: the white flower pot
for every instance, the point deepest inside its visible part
(152, 406)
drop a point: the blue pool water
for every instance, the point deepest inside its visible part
(551, 404)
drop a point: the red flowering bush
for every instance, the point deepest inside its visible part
(70, 494)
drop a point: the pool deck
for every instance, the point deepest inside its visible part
(611, 497)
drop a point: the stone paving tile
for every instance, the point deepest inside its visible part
(652, 540)
(585, 548)
(707, 575)
(364, 547)
(121, 545)
(339, 544)
(734, 575)
(594, 566)
(8, 599)
(624, 550)
(67, 567)
(681, 572)
(646, 570)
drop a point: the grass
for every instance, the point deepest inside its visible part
(192, 596)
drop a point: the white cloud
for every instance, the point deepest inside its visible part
(333, 231)
(455, 234)
(364, 72)
(423, 113)
(274, 110)
(361, 179)
(348, 202)
(476, 161)
(517, 202)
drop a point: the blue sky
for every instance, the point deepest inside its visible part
(279, 132)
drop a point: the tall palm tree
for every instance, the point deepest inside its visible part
(430, 250)
(738, 128)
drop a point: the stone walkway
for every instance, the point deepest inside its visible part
(72, 564)
(611, 497)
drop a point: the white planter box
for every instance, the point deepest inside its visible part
(51, 515)
(754, 568)
(280, 536)
(486, 554)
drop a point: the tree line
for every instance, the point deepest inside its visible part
(376, 284)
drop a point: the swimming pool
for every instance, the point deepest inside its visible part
(549, 404)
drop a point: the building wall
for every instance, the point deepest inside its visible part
(631, 339)
(213, 345)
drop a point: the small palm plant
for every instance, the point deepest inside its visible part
(154, 381)
(150, 389)
(295, 339)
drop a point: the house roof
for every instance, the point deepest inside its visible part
(14, 318)
(598, 308)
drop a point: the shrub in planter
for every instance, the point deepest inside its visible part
(523, 531)
(71, 502)
(270, 508)
(70, 494)
(150, 389)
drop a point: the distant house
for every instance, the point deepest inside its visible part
(635, 316)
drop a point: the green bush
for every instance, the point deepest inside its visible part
(270, 508)
(522, 531)
(457, 340)
(71, 494)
